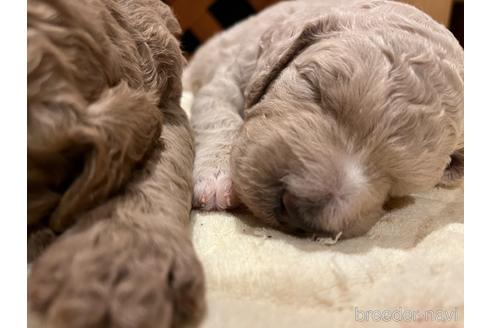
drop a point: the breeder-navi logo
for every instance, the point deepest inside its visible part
(408, 315)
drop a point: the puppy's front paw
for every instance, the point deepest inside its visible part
(213, 191)
(117, 276)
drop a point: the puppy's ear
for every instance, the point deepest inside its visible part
(110, 138)
(279, 46)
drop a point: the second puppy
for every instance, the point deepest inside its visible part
(110, 155)
(333, 107)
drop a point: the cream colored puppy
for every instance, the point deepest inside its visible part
(314, 113)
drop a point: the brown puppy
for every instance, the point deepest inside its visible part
(333, 107)
(109, 150)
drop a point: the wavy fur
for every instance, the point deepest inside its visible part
(110, 156)
(324, 109)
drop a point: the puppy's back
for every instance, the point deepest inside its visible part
(99, 75)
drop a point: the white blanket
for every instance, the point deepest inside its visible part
(413, 259)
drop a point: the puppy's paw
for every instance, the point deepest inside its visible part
(213, 191)
(117, 276)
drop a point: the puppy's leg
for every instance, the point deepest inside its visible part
(215, 119)
(130, 262)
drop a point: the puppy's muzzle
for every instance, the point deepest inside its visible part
(295, 214)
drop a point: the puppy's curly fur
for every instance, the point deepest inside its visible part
(334, 106)
(110, 156)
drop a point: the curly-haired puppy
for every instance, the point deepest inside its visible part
(314, 113)
(110, 154)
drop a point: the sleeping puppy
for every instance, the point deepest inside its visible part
(314, 113)
(110, 156)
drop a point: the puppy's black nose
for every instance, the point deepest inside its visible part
(292, 213)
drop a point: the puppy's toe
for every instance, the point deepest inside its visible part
(204, 193)
(214, 191)
(225, 196)
(106, 277)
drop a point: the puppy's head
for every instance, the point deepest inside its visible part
(338, 122)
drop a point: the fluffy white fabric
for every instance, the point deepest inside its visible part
(411, 260)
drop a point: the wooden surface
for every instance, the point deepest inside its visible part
(440, 10)
(193, 15)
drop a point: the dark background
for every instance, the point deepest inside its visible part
(201, 19)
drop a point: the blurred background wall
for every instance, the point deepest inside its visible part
(201, 19)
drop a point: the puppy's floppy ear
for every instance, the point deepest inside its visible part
(110, 138)
(279, 46)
